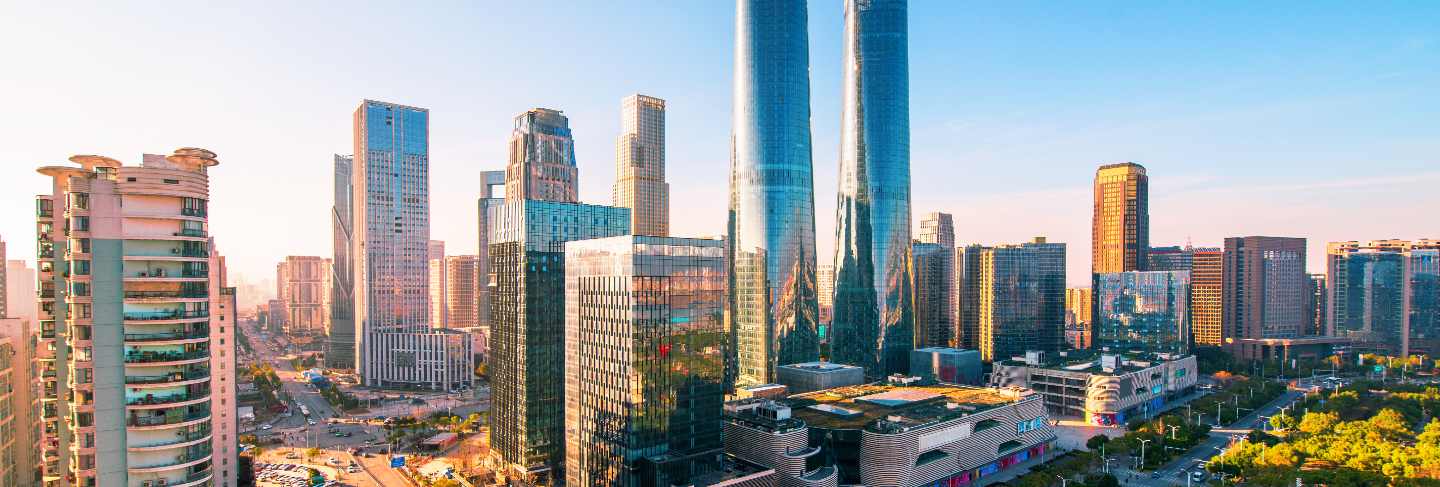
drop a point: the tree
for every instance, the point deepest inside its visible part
(1283, 422)
(1095, 441)
(311, 453)
(1317, 422)
(1101, 480)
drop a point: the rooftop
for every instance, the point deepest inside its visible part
(819, 367)
(863, 406)
(1090, 361)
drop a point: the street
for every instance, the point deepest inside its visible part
(1175, 472)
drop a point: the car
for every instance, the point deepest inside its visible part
(1155, 475)
(1197, 476)
(311, 422)
(333, 461)
(352, 469)
(292, 455)
(266, 426)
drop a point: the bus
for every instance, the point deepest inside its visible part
(304, 411)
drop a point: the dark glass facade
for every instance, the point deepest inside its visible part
(644, 356)
(1144, 312)
(874, 295)
(772, 308)
(340, 337)
(1020, 300)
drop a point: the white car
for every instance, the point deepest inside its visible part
(333, 461)
(266, 426)
(311, 422)
(353, 469)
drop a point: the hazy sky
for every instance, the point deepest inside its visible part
(1313, 119)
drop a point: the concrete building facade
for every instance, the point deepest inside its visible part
(1104, 389)
(640, 166)
(1120, 228)
(1265, 291)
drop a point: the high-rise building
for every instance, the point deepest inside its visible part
(19, 404)
(1207, 299)
(225, 434)
(1079, 314)
(1120, 231)
(874, 294)
(1385, 295)
(1141, 312)
(939, 228)
(462, 280)
(640, 165)
(4, 284)
(825, 294)
(19, 290)
(439, 293)
(663, 299)
(542, 158)
(528, 306)
(967, 296)
(1172, 258)
(489, 198)
(1315, 321)
(304, 291)
(1021, 299)
(1264, 293)
(771, 226)
(340, 336)
(934, 280)
(128, 393)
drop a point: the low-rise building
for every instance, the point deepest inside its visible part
(890, 434)
(948, 365)
(1104, 389)
(814, 376)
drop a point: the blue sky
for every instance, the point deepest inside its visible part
(1313, 119)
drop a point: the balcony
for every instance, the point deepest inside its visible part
(190, 233)
(168, 335)
(163, 274)
(147, 357)
(178, 376)
(166, 315)
(180, 294)
(154, 400)
(182, 438)
(197, 212)
(170, 418)
(194, 479)
(191, 456)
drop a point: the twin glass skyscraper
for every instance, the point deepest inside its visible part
(772, 303)
(874, 298)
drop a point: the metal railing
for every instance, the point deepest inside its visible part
(152, 400)
(161, 420)
(154, 357)
(166, 315)
(172, 377)
(190, 233)
(169, 335)
(167, 294)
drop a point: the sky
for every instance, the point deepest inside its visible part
(1313, 119)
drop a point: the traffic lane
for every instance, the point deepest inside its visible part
(1217, 439)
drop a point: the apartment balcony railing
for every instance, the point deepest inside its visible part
(180, 437)
(171, 377)
(152, 400)
(156, 357)
(44, 213)
(192, 212)
(168, 335)
(165, 315)
(164, 273)
(192, 454)
(170, 417)
(190, 233)
(167, 294)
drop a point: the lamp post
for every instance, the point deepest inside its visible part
(1142, 452)
(1063, 481)
(1173, 429)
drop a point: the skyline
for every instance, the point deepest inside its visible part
(1329, 91)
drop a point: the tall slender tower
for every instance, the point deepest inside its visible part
(340, 335)
(1120, 230)
(128, 393)
(542, 158)
(874, 294)
(640, 165)
(772, 307)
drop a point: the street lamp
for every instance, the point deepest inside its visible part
(1142, 452)
(1063, 481)
(1173, 429)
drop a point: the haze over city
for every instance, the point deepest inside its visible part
(1252, 119)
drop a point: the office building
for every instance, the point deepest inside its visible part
(814, 376)
(303, 289)
(490, 181)
(1016, 298)
(397, 348)
(1142, 312)
(1316, 308)
(891, 434)
(663, 298)
(967, 295)
(934, 282)
(340, 336)
(874, 323)
(640, 165)
(947, 365)
(527, 357)
(1103, 389)
(19, 290)
(1383, 295)
(1120, 231)
(939, 228)
(1079, 311)
(542, 158)
(771, 222)
(1264, 293)
(224, 422)
(462, 282)
(439, 295)
(1172, 258)
(825, 295)
(1207, 297)
(126, 322)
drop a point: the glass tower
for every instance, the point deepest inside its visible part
(1142, 311)
(874, 297)
(644, 360)
(542, 158)
(340, 336)
(772, 306)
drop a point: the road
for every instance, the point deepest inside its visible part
(1174, 473)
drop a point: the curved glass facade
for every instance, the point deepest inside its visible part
(874, 299)
(772, 303)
